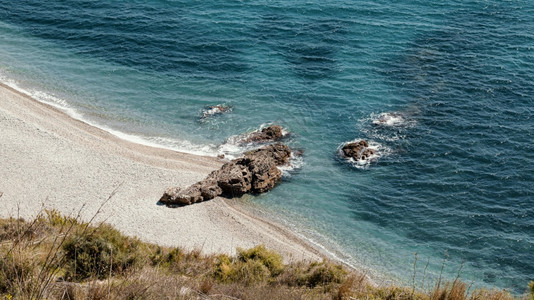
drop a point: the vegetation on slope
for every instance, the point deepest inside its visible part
(57, 257)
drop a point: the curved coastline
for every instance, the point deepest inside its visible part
(52, 160)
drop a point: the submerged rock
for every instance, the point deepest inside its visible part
(212, 110)
(389, 119)
(357, 150)
(257, 172)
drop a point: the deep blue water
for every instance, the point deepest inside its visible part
(454, 181)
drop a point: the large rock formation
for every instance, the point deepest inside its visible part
(235, 177)
(357, 150)
(263, 164)
(268, 134)
(256, 172)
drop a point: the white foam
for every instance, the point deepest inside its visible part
(391, 119)
(235, 146)
(156, 142)
(295, 163)
(215, 110)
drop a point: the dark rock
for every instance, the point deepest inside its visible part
(210, 189)
(235, 178)
(357, 150)
(177, 196)
(280, 153)
(265, 174)
(268, 134)
(298, 152)
(256, 172)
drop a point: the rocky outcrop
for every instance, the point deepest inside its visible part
(256, 172)
(268, 134)
(263, 162)
(210, 189)
(235, 177)
(357, 150)
(280, 153)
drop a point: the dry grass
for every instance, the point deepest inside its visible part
(56, 257)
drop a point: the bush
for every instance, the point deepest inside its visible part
(270, 259)
(251, 266)
(250, 272)
(223, 268)
(55, 218)
(165, 259)
(323, 273)
(531, 286)
(99, 253)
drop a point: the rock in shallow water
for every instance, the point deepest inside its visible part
(357, 150)
(268, 134)
(257, 172)
(213, 110)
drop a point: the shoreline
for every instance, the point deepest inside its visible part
(52, 160)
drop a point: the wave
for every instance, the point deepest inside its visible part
(236, 145)
(389, 119)
(213, 110)
(152, 141)
(296, 162)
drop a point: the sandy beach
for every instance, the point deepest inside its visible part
(51, 160)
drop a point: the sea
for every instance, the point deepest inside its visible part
(442, 90)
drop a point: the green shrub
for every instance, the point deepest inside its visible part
(99, 253)
(165, 259)
(223, 268)
(323, 273)
(531, 286)
(250, 272)
(247, 273)
(251, 266)
(55, 218)
(270, 259)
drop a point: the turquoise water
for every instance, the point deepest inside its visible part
(453, 180)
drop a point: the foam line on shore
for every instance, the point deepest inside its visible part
(64, 106)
